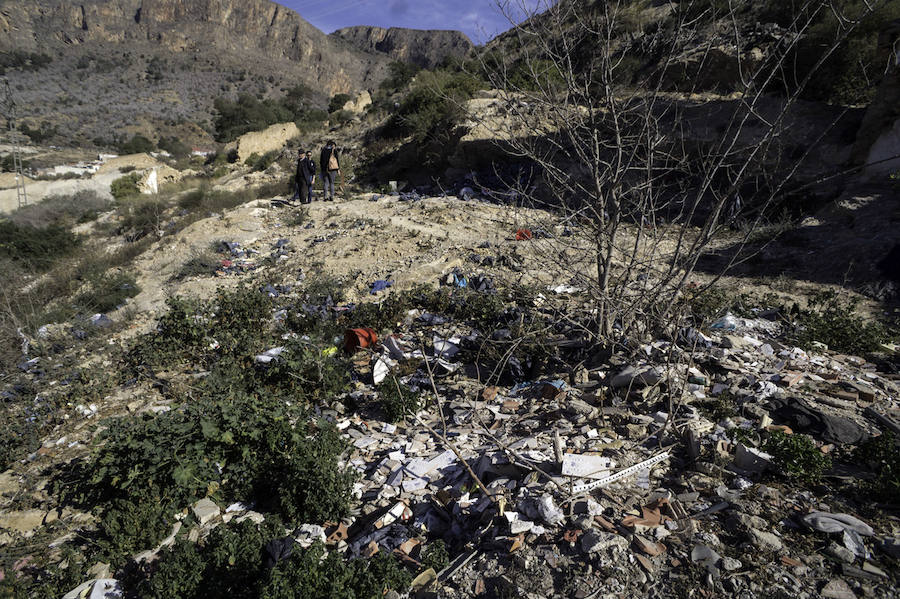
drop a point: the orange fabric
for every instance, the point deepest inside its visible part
(355, 339)
(523, 234)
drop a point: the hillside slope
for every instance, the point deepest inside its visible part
(82, 70)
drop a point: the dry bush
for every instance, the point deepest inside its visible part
(618, 161)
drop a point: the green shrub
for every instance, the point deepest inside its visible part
(39, 134)
(397, 404)
(259, 449)
(837, 324)
(400, 74)
(307, 574)
(175, 147)
(138, 144)
(434, 104)
(238, 321)
(436, 556)
(882, 456)
(38, 248)
(206, 201)
(25, 425)
(341, 117)
(337, 102)
(141, 216)
(229, 563)
(534, 75)
(125, 187)
(107, 292)
(234, 118)
(265, 161)
(26, 61)
(48, 582)
(198, 265)
(797, 456)
(282, 187)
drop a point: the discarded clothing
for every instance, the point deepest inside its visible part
(277, 550)
(379, 285)
(825, 522)
(431, 319)
(802, 417)
(269, 355)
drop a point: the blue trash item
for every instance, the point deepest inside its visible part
(380, 285)
(727, 323)
(281, 243)
(100, 321)
(431, 319)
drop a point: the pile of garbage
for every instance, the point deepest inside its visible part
(643, 471)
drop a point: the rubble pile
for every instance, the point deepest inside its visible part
(590, 474)
(660, 469)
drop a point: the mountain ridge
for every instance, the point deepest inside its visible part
(425, 48)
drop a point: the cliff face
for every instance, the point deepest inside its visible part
(425, 48)
(233, 27)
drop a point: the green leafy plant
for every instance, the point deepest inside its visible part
(204, 200)
(107, 292)
(337, 102)
(397, 401)
(436, 556)
(224, 443)
(837, 324)
(433, 105)
(230, 562)
(138, 144)
(198, 265)
(400, 74)
(38, 248)
(63, 210)
(882, 456)
(797, 456)
(125, 187)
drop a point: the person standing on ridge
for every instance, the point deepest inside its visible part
(328, 162)
(306, 176)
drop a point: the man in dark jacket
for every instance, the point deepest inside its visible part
(328, 161)
(306, 176)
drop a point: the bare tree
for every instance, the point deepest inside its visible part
(645, 176)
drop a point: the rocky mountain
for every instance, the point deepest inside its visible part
(425, 48)
(113, 68)
(229, 26)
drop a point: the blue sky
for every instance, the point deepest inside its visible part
(479, 19)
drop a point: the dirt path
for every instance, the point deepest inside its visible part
(365, 238)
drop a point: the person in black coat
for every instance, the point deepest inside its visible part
(306, 176)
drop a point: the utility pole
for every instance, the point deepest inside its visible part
(8, 110)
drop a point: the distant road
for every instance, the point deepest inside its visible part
(38, 190)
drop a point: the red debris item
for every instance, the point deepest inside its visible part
(355, 339)
(226, 263)
(651, 515)
(336, 534)
(645, 563)
(523, 234)
(571, 536)
(370, 549)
